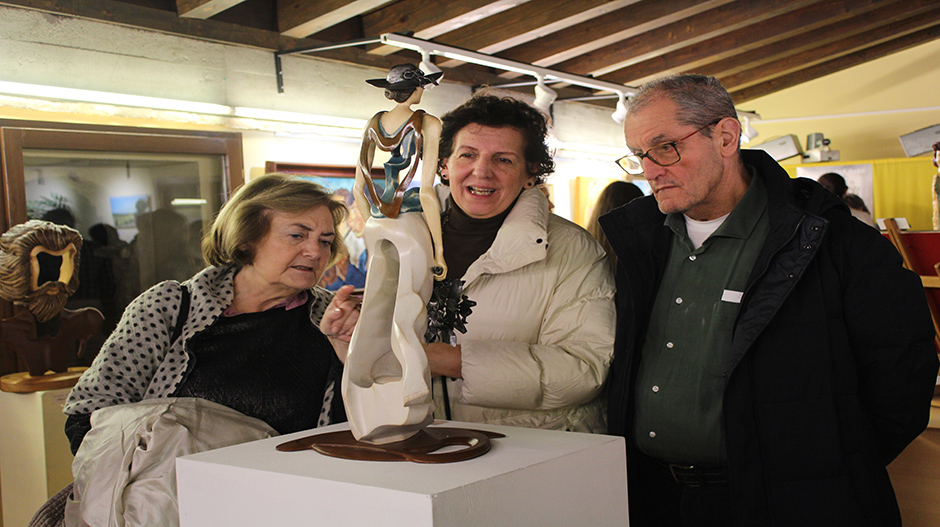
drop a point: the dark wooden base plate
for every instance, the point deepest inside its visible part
(420, 448)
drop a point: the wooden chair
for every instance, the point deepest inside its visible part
(921, 251)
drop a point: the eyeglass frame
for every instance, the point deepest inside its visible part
(647, 155)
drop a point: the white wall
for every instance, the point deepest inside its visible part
(862, 110)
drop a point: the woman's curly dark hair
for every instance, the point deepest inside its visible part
(495, 111)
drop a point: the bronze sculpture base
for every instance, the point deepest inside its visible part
(420, 448)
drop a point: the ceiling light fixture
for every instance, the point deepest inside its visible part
(336, 125)
(428, 68)
(428, 47)
(748, 132)
(620, 114)
(544, 96)
(117, 99)
(298, 117)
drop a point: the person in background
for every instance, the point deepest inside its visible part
(835, 183)
(538, 341)
(773, 356)
(247, 348)
(858, 209)
(614, 195)
(548, 195)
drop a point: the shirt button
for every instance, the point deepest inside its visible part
(669, 345)
(655, 389)
(652, 434)
(692, 258)
(679, 300)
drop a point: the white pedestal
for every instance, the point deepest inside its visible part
(530, 477)
(35, 460)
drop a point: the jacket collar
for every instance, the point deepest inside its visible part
(787, 201)
(523, 238)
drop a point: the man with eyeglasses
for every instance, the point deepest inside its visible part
(772, 354)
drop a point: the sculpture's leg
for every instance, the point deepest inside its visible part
(386, 383)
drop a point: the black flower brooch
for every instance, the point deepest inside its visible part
(448, 310)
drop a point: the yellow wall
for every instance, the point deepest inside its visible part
(902, 188)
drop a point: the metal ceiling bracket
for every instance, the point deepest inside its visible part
(279, 70)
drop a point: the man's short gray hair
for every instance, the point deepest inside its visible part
(701, 99)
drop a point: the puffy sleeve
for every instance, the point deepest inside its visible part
(129, 358)
(892, 338)
(548, 331)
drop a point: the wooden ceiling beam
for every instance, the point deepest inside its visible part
(203, 9)
(877, 51)
(830, 34)
(429, 20)
(804, 22)
(301, 18)
(605, 30)
(528, 21)
(693, 30)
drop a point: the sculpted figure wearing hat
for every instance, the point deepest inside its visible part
(386, 382)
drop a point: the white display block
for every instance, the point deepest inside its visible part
(530, 477)
(35, 459)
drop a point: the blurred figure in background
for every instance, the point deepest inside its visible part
(614, 195)
(858, 209)
(835, 183)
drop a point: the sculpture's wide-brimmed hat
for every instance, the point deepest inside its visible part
(405, 76)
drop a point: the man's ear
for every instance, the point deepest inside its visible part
(728, 131)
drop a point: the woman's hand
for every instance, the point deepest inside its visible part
(444, 360)
(340, 319)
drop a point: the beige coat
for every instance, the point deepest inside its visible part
(540, 340)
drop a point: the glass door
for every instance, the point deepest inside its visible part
(141, 208)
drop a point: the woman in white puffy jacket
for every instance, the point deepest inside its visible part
(540, 338)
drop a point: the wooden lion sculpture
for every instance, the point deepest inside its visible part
(39, 271)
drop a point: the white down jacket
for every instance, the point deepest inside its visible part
(540, 339)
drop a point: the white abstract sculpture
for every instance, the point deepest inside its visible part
(386, 380)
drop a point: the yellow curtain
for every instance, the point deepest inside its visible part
(902, 188)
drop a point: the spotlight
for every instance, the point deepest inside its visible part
(428, 67)
(621, 112)
(544, 96)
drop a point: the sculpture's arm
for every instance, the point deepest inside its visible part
(364, 170)
(431, 131)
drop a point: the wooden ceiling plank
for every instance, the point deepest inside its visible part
(301, 18)
(603, 31)
(203, 9)
(828, 67)
(524, 23)
(693, 30)
(805, 22)
(829, 34)
(820, 54)
(429, 20)
(529, 21)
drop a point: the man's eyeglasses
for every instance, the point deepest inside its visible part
(663, 155)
